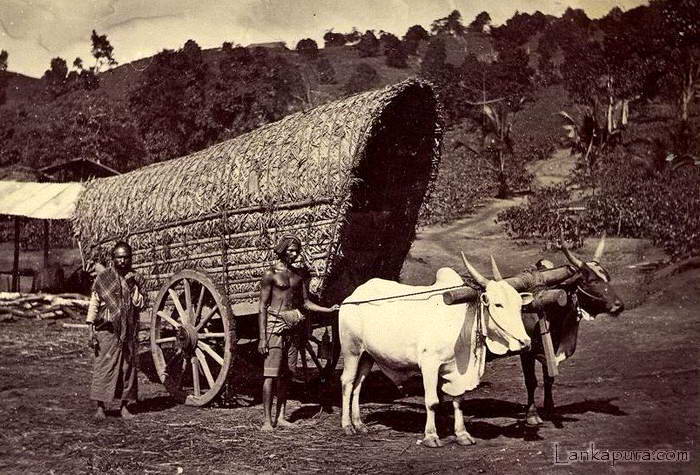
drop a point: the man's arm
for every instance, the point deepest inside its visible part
(264, 302)
(93, 308)
(311, 306)
(138, 298)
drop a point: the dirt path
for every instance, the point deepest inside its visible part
(632, 384)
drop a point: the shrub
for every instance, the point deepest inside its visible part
(627, 203)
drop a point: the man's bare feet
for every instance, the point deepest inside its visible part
(126, 414)
(282, 422)
(99, 414)
(266, 427)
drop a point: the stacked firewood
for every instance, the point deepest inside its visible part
(42, 306)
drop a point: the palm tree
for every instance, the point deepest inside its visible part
(498, 143)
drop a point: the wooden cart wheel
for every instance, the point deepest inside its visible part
(192, 337)
(320, 345)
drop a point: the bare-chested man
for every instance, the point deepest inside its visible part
(284, 290)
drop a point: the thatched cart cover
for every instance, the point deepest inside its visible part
(348, 178)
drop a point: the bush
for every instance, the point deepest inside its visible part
(307, 48)
(364, 78)
(326, 72)
(627, 203)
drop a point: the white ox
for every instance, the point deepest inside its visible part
(421, 334)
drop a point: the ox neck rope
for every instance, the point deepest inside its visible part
(395, 297)
(480, 326)
(589, 295)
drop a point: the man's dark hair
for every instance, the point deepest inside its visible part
(122, 245)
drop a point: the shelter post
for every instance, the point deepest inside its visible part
(47, 227)
(15, 262)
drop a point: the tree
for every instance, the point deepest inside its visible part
(332, 39)
(56, 77)
(434, 58)
(368, 45)
(414, 35)
(498, 143)
(3, 79)
(394, 51)
(364, 78)
(102, 51)
(353, 36)
(680, 20)
(451, 24)
(326, 72)
(482, 20)
(170, 103)
(307, 48)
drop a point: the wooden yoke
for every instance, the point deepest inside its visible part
(542, 299)
(521, 282)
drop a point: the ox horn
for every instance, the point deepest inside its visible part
(494, 268)
(480, 279)
(599, 250)
(578, 263)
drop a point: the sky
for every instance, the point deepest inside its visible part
(34, 31)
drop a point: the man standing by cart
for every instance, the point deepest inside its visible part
(284, 290)
(113, 316)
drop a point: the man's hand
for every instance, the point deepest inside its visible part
(263, 349)
(334, 308)
(92, 338)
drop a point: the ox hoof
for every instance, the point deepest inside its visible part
(465, 439)
(534, 421)
(532, 418)
(349, 430)
(432, 441)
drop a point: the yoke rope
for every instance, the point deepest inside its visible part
(394, 297)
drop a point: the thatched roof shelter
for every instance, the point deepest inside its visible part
(348, 177)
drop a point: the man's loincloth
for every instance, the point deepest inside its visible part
(282, 335)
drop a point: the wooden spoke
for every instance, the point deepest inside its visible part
(167, 339)
(164, 315)
(188, 300)
(211, 335)
(195, 377)
(200, 301)
(178, 305)
(205, 366)
(314, 358)
(211, 352)
(207, 316)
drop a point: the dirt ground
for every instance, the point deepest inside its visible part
(632, 384)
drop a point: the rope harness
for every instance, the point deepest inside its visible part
(394, 297)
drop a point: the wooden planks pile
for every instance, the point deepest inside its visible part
(42, 306)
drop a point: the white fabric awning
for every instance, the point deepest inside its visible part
(39, 200)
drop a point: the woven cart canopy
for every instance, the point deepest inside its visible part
(347, 177)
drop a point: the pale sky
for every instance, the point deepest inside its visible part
(34, 31)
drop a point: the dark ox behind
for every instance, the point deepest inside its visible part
(588, 289)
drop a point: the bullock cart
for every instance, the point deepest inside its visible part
(348, 178)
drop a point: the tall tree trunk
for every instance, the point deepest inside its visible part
(503, 190)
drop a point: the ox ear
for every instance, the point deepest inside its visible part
(527, 297)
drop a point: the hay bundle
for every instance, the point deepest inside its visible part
(347, 177)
